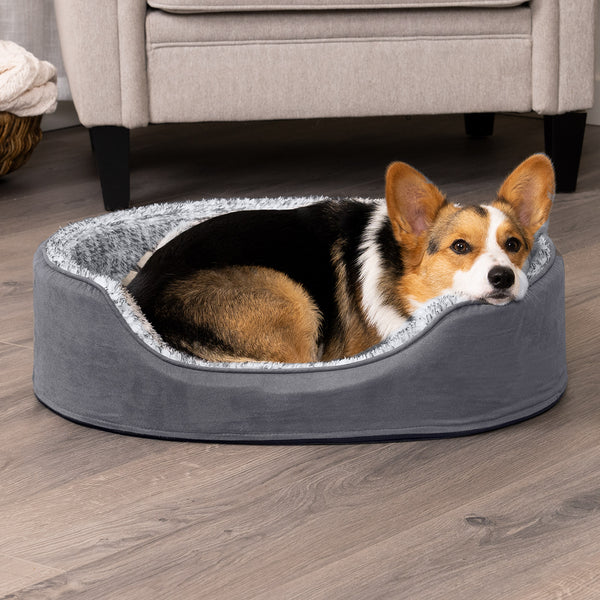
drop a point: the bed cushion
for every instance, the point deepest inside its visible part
(456, 367)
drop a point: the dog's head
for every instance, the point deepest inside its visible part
(474, 251)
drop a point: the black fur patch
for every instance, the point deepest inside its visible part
(181, 334)
(352, 218)
(389, 250)
(434, 241)
(479, 210)
(433, 246)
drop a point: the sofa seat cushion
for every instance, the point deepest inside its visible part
(169, 29)
(208, 6)
(261, 66)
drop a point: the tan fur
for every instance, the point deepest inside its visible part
(435, 272)
(509, 229)
(259, 312)
(529, 190)
(413, 204)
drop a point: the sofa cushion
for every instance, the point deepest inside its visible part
(163, 29)
(256, 66)
(204, 6)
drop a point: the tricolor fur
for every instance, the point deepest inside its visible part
(329, 280)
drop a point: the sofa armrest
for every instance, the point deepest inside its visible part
(103, 46)
(562, 55)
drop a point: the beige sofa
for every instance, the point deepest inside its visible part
(135, 62)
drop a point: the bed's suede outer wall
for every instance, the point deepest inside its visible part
(478, 367)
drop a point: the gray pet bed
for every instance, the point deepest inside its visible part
(456, 367)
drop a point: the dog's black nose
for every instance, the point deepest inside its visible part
(501, 278)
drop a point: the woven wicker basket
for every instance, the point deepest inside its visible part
(18, 137)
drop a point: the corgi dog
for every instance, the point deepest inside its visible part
(334, 278)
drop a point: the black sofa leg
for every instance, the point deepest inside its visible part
(111, 149)
(563, 140)
(479, 124)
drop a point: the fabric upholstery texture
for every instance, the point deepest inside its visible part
(163, 29)
(277, 57)
(337, 56)
(191, 60)
(280, 80)
(562, 55)
(468, 368)
(103, 46)
(196, 6)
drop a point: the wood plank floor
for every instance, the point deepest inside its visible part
(86, 514)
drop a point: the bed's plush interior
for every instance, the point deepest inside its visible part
(106, 248)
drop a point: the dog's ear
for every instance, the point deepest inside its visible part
(413, 202)
(529, 189)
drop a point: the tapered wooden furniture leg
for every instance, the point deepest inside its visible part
(563, 137)
(479, 124)
(111, 149)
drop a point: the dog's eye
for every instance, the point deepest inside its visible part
(512, 244)
(460, 247)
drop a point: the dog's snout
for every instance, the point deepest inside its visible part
(501, 278)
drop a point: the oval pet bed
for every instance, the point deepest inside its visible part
(455, 368)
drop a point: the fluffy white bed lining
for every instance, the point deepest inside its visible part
(105, 249)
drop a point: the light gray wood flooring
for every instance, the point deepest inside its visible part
(86, 514)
